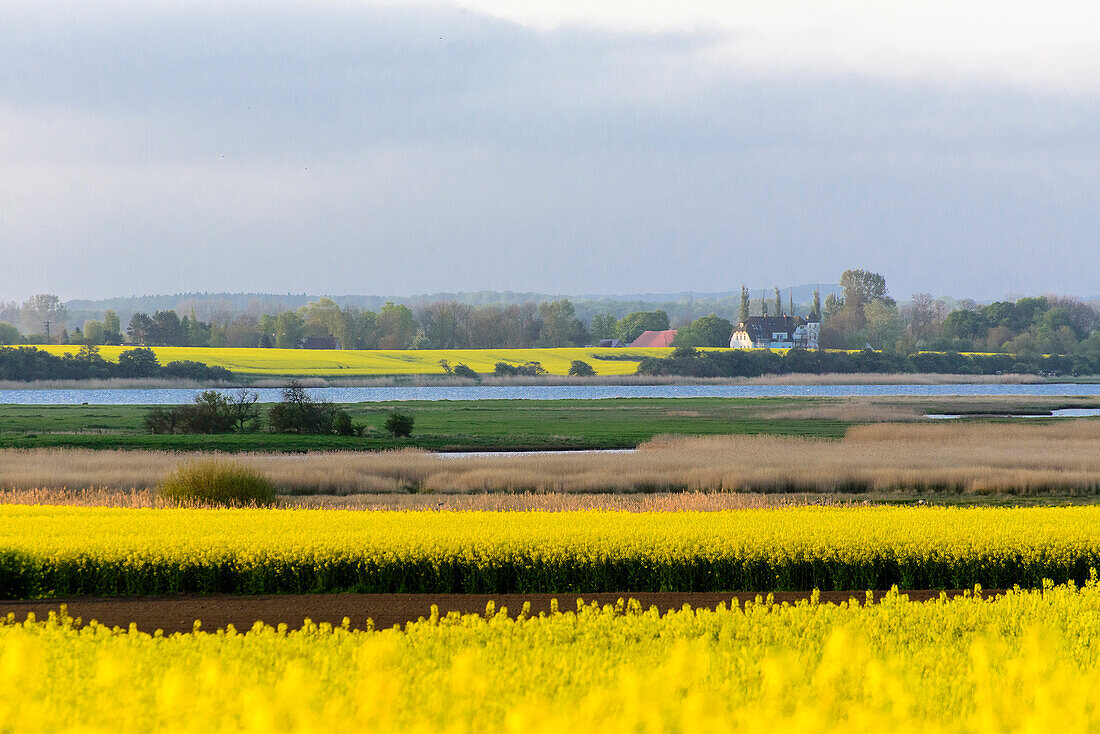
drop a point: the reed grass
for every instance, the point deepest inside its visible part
(983, 458)
(495, 502)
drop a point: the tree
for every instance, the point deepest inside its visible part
(1080, 317)
(112, 328)
(267, 328)
(199, 333)
(288, 330)
(633, 324)
(138, 363)
(167, 329)
(707, 331)
(243, 331)
(603, 326)
(446, 324)
(140, 329)
(744, 304)
(93, 332)
(493, 327)
(967, 325)
(89, 354)
(9, 334)
(925, 315)
(862, 287)
(241, 407)
(9, 312)
(396, 326)
(560, 325)
(815, 305)
(39, 309)
(366, 327)
(324, 318)
(845, 316)
(884, 324)
(778, 303)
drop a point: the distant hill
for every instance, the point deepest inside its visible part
(683, 306)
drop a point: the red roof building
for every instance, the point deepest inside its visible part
(655, 339)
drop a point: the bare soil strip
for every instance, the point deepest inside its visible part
(179, 613)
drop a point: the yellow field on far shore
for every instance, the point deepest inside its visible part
(371, 362)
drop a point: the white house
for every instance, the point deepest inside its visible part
(776, 332)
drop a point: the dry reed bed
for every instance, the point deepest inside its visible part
(494, 502)
(1061, 457)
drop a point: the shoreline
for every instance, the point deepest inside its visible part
(416, 381)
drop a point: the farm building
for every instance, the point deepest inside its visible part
(320, 342)
(655, 339)
(776, 332)
(611, 343)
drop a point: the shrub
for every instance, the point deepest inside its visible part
(461, 370)
(578, 368)
(212, 412)
(342, 425)
(528, 369)
(399, 425)
(299, 413)
(218, 482)
(162, 420)
(189, 369)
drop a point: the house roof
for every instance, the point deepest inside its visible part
(655, 339)
(762, 327)
(320, 342)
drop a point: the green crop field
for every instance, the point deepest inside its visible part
(441, 425)
(459, 425)
(372, 362)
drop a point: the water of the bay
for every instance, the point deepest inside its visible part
(172, 396)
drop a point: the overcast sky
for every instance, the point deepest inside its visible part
(399, 147)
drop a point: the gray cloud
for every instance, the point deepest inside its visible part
(330, 147)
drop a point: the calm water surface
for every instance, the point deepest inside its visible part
(162, 396)
(1059, 413)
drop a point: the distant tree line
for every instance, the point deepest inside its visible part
(25, 364)
(1027, 328)
(859, 313)
(690, 362)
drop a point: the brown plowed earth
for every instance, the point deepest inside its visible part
(178, 613)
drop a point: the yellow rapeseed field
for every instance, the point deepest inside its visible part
(1026, 662)
(368, 362)
(59, 550)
